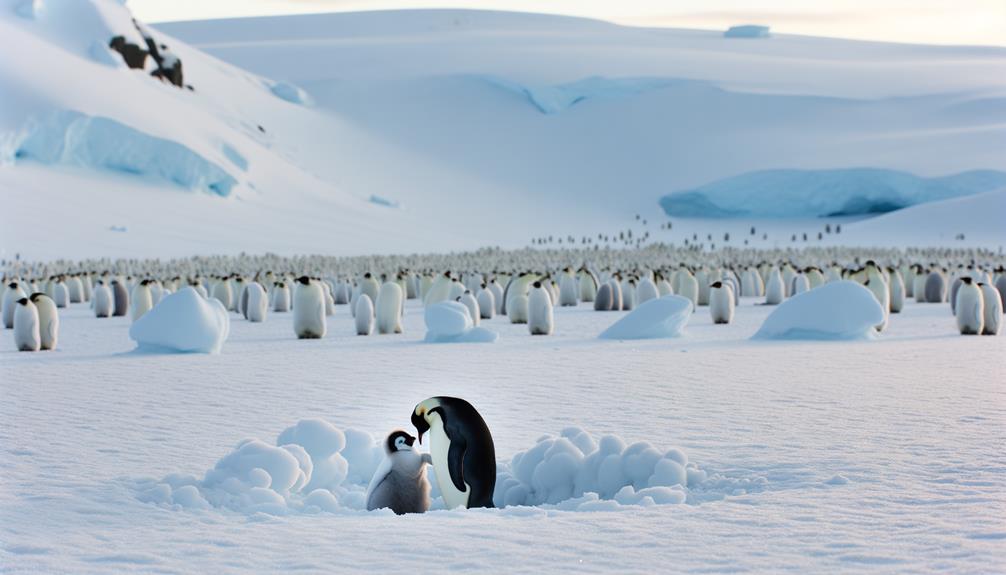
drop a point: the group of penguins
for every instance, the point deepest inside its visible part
(618, 281)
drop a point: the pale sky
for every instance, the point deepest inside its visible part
(917, 21)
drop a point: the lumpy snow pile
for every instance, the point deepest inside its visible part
(660, 317)
(182, 322)
(450, 321)
(314, 466)
(842, 310)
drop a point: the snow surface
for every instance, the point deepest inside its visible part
(182, 322)
(838, 310)
(816, 193)
(656, 318)
(859, 456)
(438, 110)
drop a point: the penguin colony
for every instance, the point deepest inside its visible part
(525, 286)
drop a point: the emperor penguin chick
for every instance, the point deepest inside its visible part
(721, 302)
(400, 483)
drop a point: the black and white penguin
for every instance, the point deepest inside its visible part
(102, 300)
(142, 299)
(309, 309)
(540, 316)
(935, 288)
(993, 309)
(400, 483)
(970, 310)
(388, 307)
(26, 336)
(468, 300)
(363, 315)
(255, 302)
(461, 448)
(487, 302)
(120, 297)
(721, 302)
(48, 320)
(280, 297)
(11, 295)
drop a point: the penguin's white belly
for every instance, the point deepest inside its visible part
(439, 445)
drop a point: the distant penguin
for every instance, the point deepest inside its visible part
(256, 306)
(329, 298)
(721, 302)
(993, 309)
(102, 299)
(309, 309)
(400, 483)
(518, 309)
(388, 308)
(688, 287)
(487, 303)
(616, 293)
(540, 320)
(26, 332)
(48, 320)
(497, 290)
(876, 282)
(588, 284)
(954, 286)
(223, 293)
(364, 315)
(628, 294)
(370, 286)
(919, 286)
(439, 290)
(800, 284)
(461, 448)
(474, 309)
(142, 299)
(646, 290)
(281, 297)
(970, 308)
(897, 291)
(120, 296)
(12, 293)
(774, 287)
(603, 298)
(61, 294)
(568, 289)
(935, 287)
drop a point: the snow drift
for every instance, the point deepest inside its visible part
(314, 466)
(656, 318)
(819, 193)
(841, 310)
(182, 322)
(451, 322)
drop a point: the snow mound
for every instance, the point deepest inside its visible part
(655, 318)
(80, 27)
(69, 137)
(183, 322)
(450, 322)
(290, 93)
(747, 31)
(575, 472)
(552, 99)
(313, 467)
(818, 193)
(842, 310)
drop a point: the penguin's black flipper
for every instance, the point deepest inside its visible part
(455, 462)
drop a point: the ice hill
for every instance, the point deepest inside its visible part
(821, 193)
(401, 131)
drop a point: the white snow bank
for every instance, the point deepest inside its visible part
(656, 318)
(183, 322)
(818, 193)
(842, 310)
(290, 93)
(70, 137)
(314, 467)
(80, 27)
(747, 31)
(557, 98)
(450, 322)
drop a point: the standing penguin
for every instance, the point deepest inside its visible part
(993, 309)
(468, 300)
(400, 483)
(280, 297)
(26, 335)
(897, 289)
(256, 302)
(970, 308)
(540, 320)
(775, 290)
(120, 296)
(142, 299)
(388, 307)
(364, 315)
(11, 295)
(487, 302)
(461, 449)
(103, 300)
(721, 302)
(309, 309)
(48, 320)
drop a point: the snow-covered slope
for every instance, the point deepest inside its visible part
(820, 193)
(468, 128)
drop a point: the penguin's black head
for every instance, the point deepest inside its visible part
(537, 285)
(304, 280)
(368, 276)
(419, 421)
(12, 285)
(716, 285)
(24, 301)
(398, 440)
(36, 296)
(966, 280)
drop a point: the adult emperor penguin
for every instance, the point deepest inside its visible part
(256, 302)
(461, 449)
(970, 308)
(935, 287)
(568, 288)
(48, 320)
(11, 295)
(363, 315)
(487, 302)
(897, 289)
(26, 336)
(142, 299)
(540, 317)
(646, 290)
(721, 302)
(120, 297)
(993, 309)
(370, 286)
(280, 297)
(388, 307)
(468, 300)
(104, 303)
(400, 483)
(309, 309)
(775, 290)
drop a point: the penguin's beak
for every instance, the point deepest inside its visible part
(420, 438)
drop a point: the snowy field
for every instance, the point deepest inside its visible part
(874, 456)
